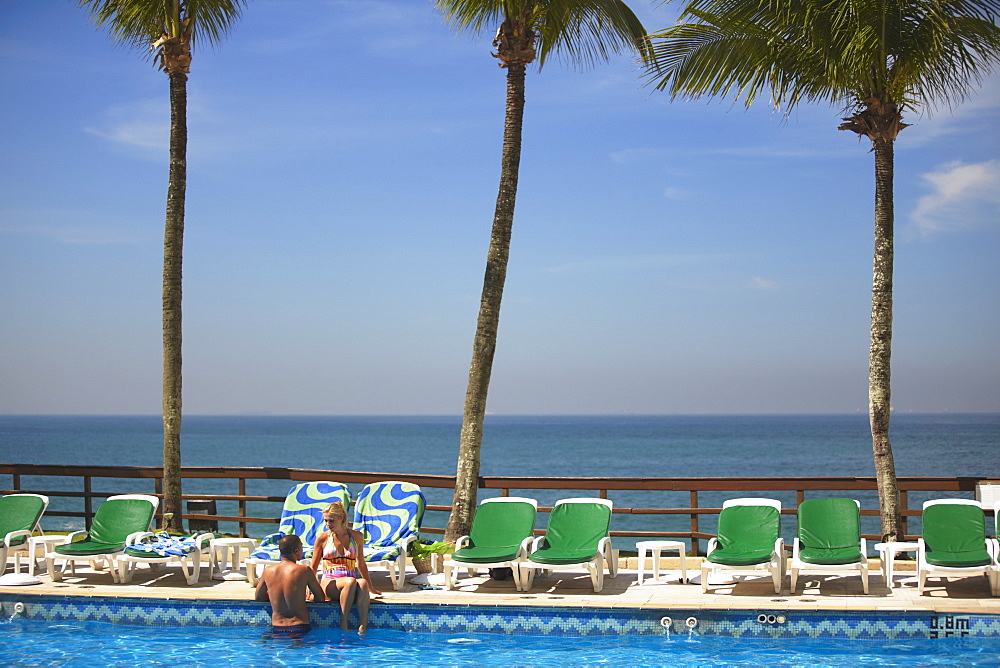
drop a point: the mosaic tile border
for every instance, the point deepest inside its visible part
(458, 619)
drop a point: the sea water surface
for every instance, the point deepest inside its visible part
(592, 446)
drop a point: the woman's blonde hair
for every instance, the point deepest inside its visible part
(337, 510)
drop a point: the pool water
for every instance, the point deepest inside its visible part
(40, 643)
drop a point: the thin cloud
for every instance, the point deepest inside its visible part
(85, 230)
(963, 196)
(658, 261)
(760, 283)
(144, 124)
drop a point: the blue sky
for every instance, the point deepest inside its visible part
(667, 257)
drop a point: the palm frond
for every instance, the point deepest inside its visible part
(911, 52)
(579, 32)
(141, 23)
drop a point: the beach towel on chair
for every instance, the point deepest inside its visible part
(162, 544)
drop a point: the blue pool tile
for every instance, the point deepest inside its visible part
(540, 620)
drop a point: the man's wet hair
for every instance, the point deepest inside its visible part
(288, 545)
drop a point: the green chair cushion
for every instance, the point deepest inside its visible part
(963, 559)
(746, 535)
(829, 531)
(114, 521)
(955, 536)
(555, 557)
(19, 513)
(574, 533)
(830, 556)
(502, 524)
(486, 555)
(85, 548)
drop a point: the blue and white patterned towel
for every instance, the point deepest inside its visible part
(162, 544)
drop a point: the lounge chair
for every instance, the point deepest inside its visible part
(577, 535)
(389, 515)
(829, 539)
(301, 515)
(748, 543)
(954, 543)
(158, 549)
(117, 522)
(499, 538)
(19, 516)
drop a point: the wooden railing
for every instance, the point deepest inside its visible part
(237, 481)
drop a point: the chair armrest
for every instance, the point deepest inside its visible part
(864, 548)
(796, 546)
(461, 542)
(201, 539)
(137, 536)
(536, 543)
(525, 547)
(712, 544)
(76, 536)
(921, 553)
(26, 533)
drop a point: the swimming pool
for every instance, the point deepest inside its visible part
(98, 643)
(73, 630)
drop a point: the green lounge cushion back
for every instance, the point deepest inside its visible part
(829, 531)
(114, 520)
(955, 535)
(574, 533)
(19, 513)
(746, 535)
(498, 529)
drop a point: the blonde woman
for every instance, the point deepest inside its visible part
(345, 573)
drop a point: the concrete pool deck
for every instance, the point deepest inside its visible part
(820, 591)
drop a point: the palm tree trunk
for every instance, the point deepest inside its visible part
(485, 343)
(173, 244)
(879, 396)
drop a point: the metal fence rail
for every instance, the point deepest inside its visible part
(95, 484)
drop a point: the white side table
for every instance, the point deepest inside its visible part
(655, 547)
(47, 543)
(220, 567)
(887, 554)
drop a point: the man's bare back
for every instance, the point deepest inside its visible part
(284, 584)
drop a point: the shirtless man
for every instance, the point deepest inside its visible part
(284, 584)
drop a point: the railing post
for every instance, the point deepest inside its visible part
(903, 507)
(695, 546)
(243, 506)
(88, 511)
(158, 490)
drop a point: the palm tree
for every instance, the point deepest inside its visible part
(878, 58)
(582, 31)
(168, 29)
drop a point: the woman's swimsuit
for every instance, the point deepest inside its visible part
(337, 565)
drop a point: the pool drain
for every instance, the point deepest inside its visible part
(771, 619)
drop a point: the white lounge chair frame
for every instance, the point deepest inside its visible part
(190, 563)
(991, 571)
(606, 555)
(97, 561)
(450, 565)
(776, 565)
(7, 550)
(860, 566)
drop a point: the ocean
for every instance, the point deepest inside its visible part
(593, 446)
